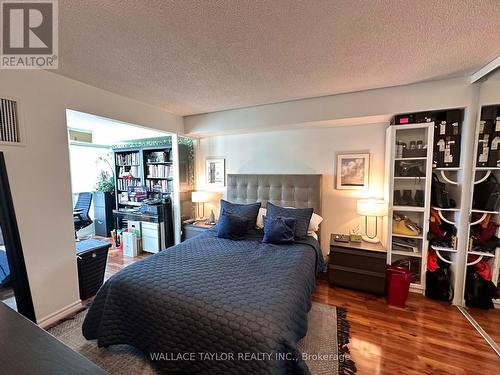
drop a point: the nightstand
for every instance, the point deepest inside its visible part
(357, 265)
(192, 230)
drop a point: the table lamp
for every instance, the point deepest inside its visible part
(199, 197)
(371, 207)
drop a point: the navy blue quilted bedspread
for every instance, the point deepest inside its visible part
(212, 306)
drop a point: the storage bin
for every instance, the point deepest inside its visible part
(92, 256)
(398, 281)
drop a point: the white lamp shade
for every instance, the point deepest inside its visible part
(199, 197)
(372, 207)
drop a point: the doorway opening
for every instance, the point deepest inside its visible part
(131, 185)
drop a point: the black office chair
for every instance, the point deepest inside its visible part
(82, 219)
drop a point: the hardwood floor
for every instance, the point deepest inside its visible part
(489, 320)
(428, 337)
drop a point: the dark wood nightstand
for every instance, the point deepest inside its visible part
(357, 265)
(192, 230)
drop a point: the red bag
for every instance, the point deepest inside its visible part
(484, 233)
(483, 269)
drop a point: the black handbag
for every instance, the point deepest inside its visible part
(438, 286)
(410, 169)
(478, 291)
(487, 194)
(439, 195)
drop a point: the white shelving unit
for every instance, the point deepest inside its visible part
(492, 258)
(393, 181)
(477, 216)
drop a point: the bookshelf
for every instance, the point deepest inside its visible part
(143, 167)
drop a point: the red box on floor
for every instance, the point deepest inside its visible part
(397, 285)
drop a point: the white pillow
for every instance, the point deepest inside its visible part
(312, 234)
(260, 220)
(315, 222)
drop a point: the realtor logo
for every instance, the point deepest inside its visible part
(29, 34)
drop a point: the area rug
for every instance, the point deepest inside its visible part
(324, 349)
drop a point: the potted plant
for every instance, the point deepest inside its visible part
(104, 201)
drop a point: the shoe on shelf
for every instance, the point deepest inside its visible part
(406, 199)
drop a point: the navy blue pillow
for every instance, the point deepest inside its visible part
(302, 215)
(279, 230)
(231, 226)
(248, 211)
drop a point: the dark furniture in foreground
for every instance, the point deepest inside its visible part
(357, 265)
(193, 230)
(104, 203)
(92, 256)
(82, 206)
(27, 349)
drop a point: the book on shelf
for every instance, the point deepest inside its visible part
(127, 159)
(160, 171)
(123, 185)
(128, 171)
(164, 186)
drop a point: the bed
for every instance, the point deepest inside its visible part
(217, 306)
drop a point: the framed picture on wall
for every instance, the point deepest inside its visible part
(215, 172)
(353, 171)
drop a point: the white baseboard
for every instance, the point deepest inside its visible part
(60, 314)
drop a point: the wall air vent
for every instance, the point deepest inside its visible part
(9, 122)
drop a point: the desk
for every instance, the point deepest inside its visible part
(165, 231)
(28, 349)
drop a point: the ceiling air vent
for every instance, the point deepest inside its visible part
(9, 126)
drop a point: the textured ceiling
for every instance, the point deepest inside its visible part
(202, 56)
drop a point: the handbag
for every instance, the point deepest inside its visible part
(487, 194)
(405, 226)
(439, 195)
(410, 169)
(438, 285)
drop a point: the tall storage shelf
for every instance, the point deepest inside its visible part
(485, 167)
(408, 183)
(439, 133)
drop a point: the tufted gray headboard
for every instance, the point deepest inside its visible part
(286, 190)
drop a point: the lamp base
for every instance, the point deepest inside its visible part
(371, 240)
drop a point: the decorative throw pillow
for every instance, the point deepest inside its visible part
(279, 230)
(248, 211)
(231, 226)
(302, 215)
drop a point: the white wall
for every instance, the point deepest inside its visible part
(304, 151)
(303, 136)
(360, 107)
(39, 174)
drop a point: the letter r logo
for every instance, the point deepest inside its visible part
(27, 28)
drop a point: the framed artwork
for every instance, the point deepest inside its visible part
(353, 171)
(215, 172)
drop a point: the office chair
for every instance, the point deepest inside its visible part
(82, 220)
